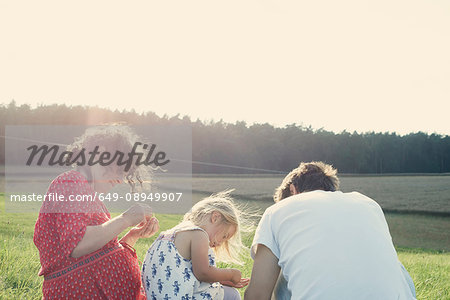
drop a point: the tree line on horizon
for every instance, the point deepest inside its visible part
(219, 147)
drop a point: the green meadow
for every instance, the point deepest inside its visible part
(421, 233)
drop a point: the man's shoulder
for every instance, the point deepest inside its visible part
(303, 199)
(318, 198)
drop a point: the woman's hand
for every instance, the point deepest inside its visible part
(242, 283)
(137, 213)
(98, 236)
(146, 228)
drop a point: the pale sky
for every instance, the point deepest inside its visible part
(381, 65)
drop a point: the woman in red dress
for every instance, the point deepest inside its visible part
(81, 257)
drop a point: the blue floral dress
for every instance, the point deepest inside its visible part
(167, 275)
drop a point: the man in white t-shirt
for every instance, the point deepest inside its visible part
(328, 244)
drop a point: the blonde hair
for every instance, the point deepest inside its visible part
(315, 175)
(229, 251)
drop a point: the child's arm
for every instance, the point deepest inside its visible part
(200, 262)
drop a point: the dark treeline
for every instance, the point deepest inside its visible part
(261, 146)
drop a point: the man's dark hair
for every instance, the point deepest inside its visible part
(310, 176)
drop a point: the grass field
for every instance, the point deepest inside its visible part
(422, 241)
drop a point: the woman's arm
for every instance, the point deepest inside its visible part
(97, 236)
(200, 262)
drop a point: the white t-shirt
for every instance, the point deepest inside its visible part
(333, 245)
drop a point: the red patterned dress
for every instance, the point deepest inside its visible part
(111, 272)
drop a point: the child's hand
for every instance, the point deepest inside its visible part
(235, 276)
(242, 283)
